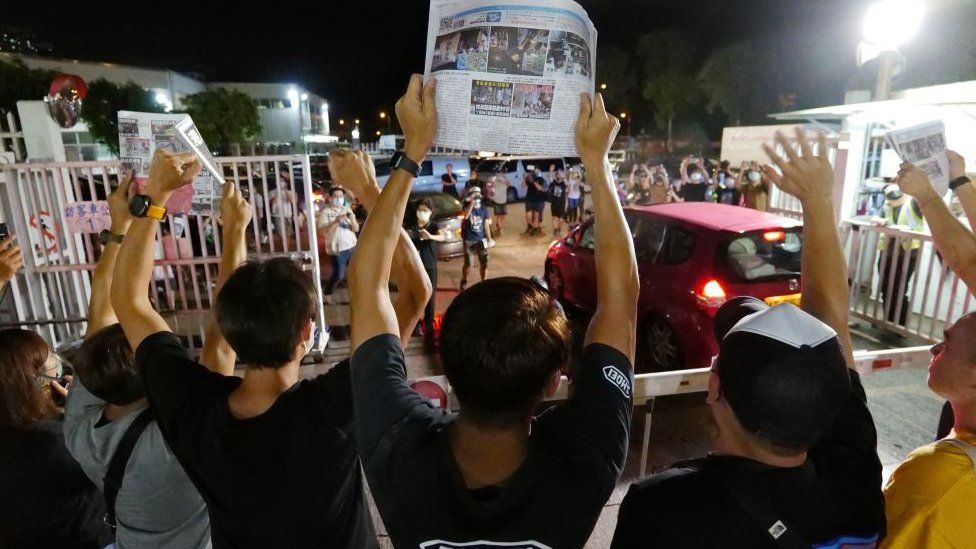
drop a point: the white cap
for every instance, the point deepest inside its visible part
(787, 323)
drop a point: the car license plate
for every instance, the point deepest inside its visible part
(793, 299)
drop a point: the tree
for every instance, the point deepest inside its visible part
(668, 77)
(615, 68)
(729, 81)
(224, 117)
(100, 110)
(19, 82)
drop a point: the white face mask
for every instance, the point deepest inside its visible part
(754, 176)
(423, 217)
(338, 202)
(477, 204)
(696, 177)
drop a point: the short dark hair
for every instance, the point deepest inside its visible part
(427, 203)
(501, 341)
(333, 190)
(263, 308)
(785, 396)
(104, 364)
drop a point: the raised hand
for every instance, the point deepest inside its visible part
(915, 182)
(235, 211)
(595, 129)
(170, 170)
(10, 259)
(118, 205)
(353, 170)
(417, 113)
(957, 165)
(807, 176)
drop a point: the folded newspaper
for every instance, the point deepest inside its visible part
(925, 146)
(141, 133)
(509, 75)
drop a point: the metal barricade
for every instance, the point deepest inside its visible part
(923, 295)
(51, 294)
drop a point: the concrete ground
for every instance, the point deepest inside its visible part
(905, 411)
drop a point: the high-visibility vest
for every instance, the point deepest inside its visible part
(906, 218)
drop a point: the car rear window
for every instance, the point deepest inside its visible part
(762, 255)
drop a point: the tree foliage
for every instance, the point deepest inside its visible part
(669, 83)
(100, 110)
(615, 68)
(224, 117)
(730, 79)
(18, 82)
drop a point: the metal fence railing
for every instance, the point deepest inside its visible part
(42, 203)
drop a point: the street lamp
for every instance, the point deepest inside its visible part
(342, 122)
(887, 25)
(623, 117)
(389, 122)
(603, 86)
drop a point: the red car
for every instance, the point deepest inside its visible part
(691, 258)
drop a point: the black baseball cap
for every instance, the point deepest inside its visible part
(781, 369)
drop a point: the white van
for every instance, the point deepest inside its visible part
(431, 171)
(514, 169)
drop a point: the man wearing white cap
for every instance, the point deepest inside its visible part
(795, 462)
(476, 232)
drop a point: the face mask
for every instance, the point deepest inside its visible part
(338, 202)
(696, 178)
(477, 204)
(423, 218)
(754, 176)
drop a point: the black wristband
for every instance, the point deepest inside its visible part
(401, 162)
(958, 182)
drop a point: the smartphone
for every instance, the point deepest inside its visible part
(4, 233)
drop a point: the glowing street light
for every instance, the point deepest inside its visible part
(603, 86)
(623, 115)
(342, 122)
(382, 115)
(355, 133)
(887, 25)
(304, 97)
(356, 121)
(378, 133)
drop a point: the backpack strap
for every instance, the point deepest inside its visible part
(966, 447)
(112, 482)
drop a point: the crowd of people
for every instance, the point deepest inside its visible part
(147, 446)
(743, 186)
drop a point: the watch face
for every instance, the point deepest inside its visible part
(139, 205)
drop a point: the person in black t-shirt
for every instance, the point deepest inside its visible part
(535, 202)
(694, 180)
(492, 474)
(557, 202)
(425, 235)
(449, 181)
(476, 233)
(273, 457)
(795, 463)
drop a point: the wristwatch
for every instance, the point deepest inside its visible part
(958, 182)
(141, 206)
(401, 162)
(107, 236)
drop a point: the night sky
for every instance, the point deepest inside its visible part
(358, 54)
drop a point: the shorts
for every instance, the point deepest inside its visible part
(535, 207)
(501, 209)
(558, 210)
(472, 249)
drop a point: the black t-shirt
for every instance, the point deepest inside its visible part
(833, 499)
(729, 196)
(287, 478)
(576, 453)
(693, 192)
(426, 248)
(45, 498)
(642, 196)
(534, 194)
(557, 194)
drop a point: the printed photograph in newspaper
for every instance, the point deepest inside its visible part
(445, 52)
(162, 127)
(490, 98)
(465, 50)
(514, 50)
(128, 126)
(568, 55)
(135, 146)
(533, 101)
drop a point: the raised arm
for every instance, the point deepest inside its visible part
(355, 170)
(100, 310)
(10, 261)
(810, 178)
(369, 274)
(965, 193)
(955, 242)
(133, 270)
(235, 215)
(617, 286)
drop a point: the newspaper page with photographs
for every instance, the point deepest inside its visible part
(509, 75)
(925, 146)
(141, 133)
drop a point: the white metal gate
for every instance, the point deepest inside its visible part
(51, 294)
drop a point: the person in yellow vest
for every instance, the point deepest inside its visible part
(903, 213)
(930, 497)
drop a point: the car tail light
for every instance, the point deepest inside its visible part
(711, 296)
(774, 236)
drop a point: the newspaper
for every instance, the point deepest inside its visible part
(509, 75)
(925, 146)
(141, 133)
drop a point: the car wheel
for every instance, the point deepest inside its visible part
(658, 347)
(512, 194)
(554, 279)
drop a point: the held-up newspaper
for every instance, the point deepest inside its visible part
(925, 146)
(509, 75)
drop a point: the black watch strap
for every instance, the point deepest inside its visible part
(401, 162)
(958, 182)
